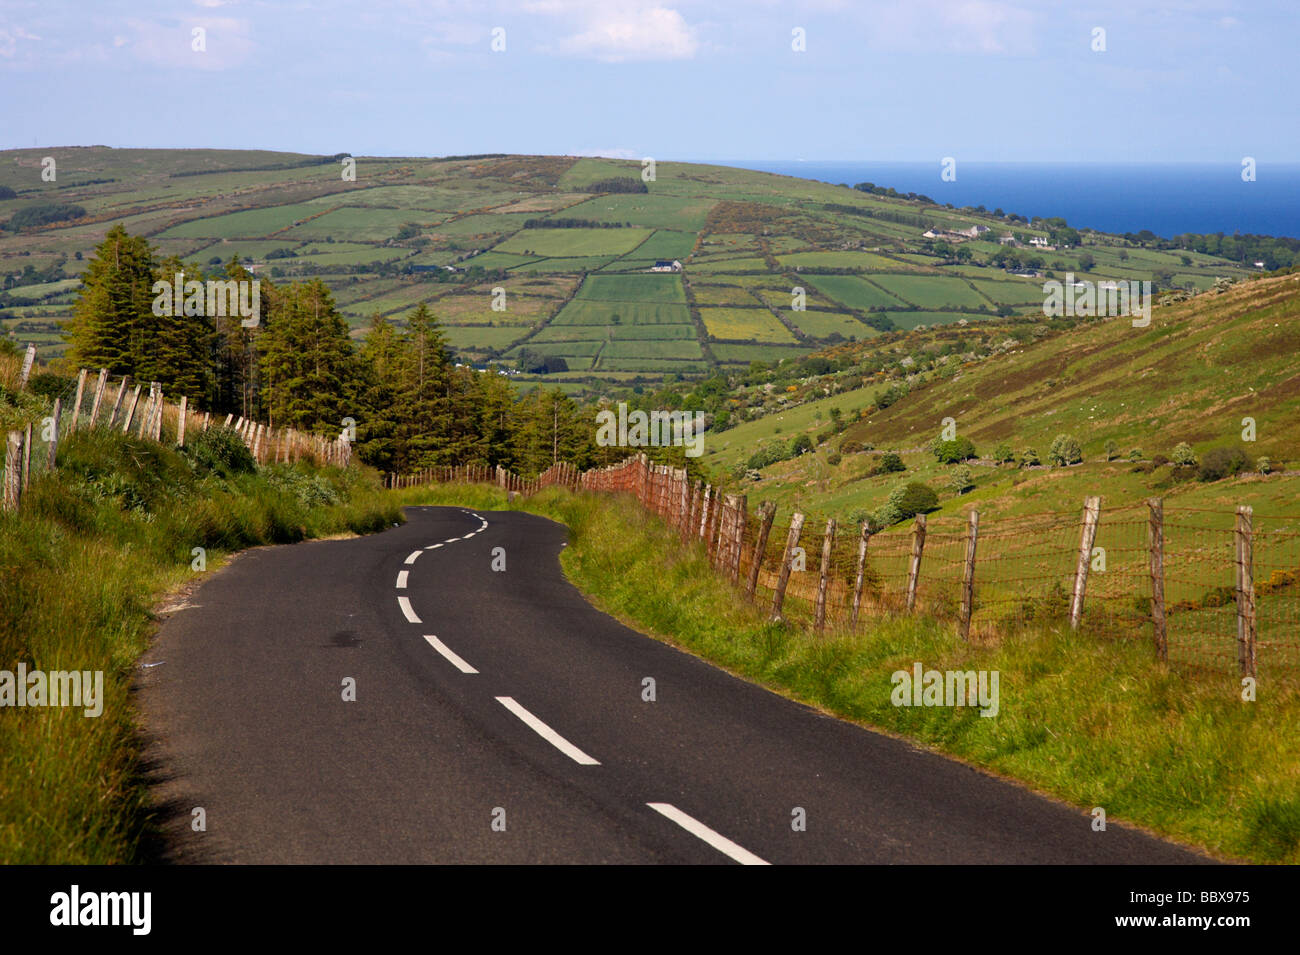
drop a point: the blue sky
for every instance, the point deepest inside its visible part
(980, 80)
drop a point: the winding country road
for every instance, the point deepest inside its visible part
(499, 718)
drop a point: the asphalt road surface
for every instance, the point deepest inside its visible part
(499, 718)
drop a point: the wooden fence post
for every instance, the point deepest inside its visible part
(738, 521)
(863, 539)
(117, 402)
(1245, 591)
(130, 410)
(704, 512)
(27, 455)
(13, 455)
(914, 566)
(1156, 542)
(29, 357)
(180, 420)
(76, 405)
(1091, 513)
(791, 542)
(100, 385)
(767, 511)
(827, 544)
(968, 578)
(54, 440)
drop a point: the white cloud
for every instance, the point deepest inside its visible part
(228, 43)
(955, 26)
(9, 37)
(614, 31)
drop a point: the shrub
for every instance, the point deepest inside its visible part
(950, 452)
(960, 481)
(1219, 463)
(1064, 450)
(887, 516)
(221, 451)
(800, 444)
(1003, 453)
(912, 499)
(890, 463)
(1112, 450)
(1135, 454)
(1264, 466)
(1029, 458)
(1159, 461)
(852, 447)
(1184, 456)
(833, 458)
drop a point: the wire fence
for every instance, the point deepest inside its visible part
(1211, 590)
(96, 403)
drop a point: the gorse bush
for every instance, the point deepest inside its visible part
(890, 463)
(913, 498)
(950, 452)
(1219, 463)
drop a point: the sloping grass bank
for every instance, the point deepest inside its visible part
(1092, 722)
(94, 547)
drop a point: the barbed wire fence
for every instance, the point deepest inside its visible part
(1209, 590)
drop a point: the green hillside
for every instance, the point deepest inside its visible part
(449, 231)
(1195, 375)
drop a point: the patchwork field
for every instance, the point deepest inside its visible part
(744, 238)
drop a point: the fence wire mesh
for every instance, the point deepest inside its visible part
(1230, 583)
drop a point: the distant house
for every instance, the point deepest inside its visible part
(975, 231)
(1007, 239)
(1039, 242)
(1259, 265)
(664, 265)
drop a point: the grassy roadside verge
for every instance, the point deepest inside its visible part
(1088, 721)
(94, 547)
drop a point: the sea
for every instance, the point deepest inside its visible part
(1167, 198)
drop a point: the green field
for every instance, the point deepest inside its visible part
(253, 224)
(659, 287)
(931, 291)
(745, 324)
(825, 324)
(582, 312)
(812, 261)
(854, 292)
(567, 243)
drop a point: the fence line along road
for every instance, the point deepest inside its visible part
(152, 419)
(1213, 590)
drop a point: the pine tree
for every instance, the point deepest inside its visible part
(112, 323)
(307, 365)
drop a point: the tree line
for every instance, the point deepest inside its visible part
(413, 405)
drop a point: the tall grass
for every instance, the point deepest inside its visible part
(1094, 722)
(94, 546)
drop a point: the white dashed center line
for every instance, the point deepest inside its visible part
(405, 604)
(401, 579)
(546, 733)
(701, 831)
(450, 655)
(411, 558)
(433, 547)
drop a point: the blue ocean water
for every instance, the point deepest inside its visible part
(1167, 198)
